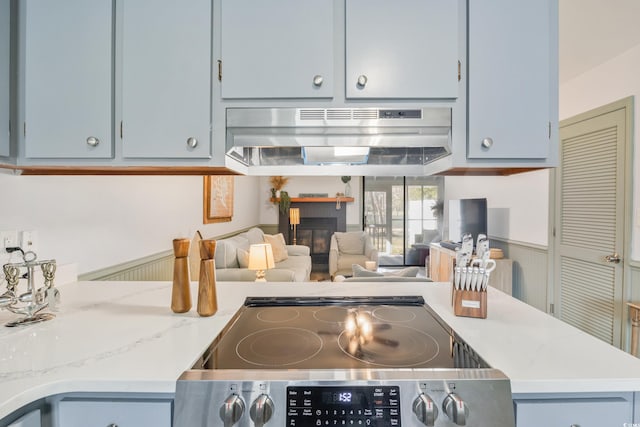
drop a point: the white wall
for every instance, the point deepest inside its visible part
(99, 221)
(312, 184)
(517, 205)
(609, 82)
(525, 197)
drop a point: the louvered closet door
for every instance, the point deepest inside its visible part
(590, 220)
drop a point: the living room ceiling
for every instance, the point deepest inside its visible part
(595, 31)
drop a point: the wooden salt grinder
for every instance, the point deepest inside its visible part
(181, 292)
(207, 301)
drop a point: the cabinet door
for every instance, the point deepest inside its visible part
(121, 413)
(68, 78)
(402, 49)
(166, 79)
(597, 412)
(277, 49)
(4, 77)
(509, 78)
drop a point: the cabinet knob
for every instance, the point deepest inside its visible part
(192, 142)
(92, 141)
(112, 425)
(362, 81)
(487, 142)
(317, 80)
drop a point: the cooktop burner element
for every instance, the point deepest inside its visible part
(374, 361)
(394, 347)
(277, 347)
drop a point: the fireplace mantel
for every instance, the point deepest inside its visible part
(344, 199)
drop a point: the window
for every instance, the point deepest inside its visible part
(403, 215)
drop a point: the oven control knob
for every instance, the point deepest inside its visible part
(232, 409)
(425, 409)
(261, 410)
(456, 409)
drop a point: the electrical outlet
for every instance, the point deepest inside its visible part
(28, 240)
(9, 239)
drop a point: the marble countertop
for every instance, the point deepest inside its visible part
(123, 337)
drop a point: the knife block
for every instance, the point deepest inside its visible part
(469, 303)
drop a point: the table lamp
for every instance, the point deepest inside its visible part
(260, 259)
(294, 220)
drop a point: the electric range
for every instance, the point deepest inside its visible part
(341, 361)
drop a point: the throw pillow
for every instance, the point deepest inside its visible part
(405, 272)
(278, 246)
(360, 271)
(243, 258)
(350, 243)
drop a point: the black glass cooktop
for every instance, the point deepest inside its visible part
(338, 333)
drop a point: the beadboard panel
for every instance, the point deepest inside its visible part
(530, 267)
(154, 267)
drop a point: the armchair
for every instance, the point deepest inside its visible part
(348, 248)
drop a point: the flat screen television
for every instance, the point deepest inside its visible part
(467, 216)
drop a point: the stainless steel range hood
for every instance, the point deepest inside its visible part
(337, 136)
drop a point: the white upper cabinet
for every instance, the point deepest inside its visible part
(4, 77)
(402, 49)
(68, 80)
(512, 80)
(166, 79)
(277, 49)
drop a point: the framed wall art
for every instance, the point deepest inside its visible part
(218, 198)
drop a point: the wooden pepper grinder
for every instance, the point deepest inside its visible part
(181, 292)
(207, 300)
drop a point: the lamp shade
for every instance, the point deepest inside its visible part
(261, 257)
(294, 216)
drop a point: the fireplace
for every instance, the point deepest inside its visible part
(318, 222)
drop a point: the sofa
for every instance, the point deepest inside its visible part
(292, 262)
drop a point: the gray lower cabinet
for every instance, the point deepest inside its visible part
(512, 79)
(68, 78)
(582, 411)
(32, 419)
(402, 49)
(166, 79)
(277, 49)
(5, 39)
(121, 413)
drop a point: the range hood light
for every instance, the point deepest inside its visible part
(350, 151)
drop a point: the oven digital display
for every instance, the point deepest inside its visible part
(374, 406)
(342, 397)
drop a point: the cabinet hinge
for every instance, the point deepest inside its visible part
(121, 132)
(459, 70)
(219, 70)
(552, 308)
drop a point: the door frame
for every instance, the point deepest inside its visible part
(553, 291)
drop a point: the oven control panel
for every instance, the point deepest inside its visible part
(311, 406)
(340, 398)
